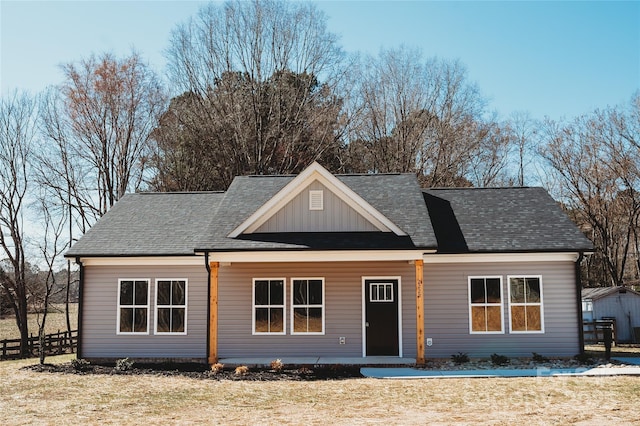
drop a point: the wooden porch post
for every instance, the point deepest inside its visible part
(213, 313)
(420, 360)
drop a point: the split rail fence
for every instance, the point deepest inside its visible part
(54, 344)
(594, 330)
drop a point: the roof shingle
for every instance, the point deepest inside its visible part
(451, 220)
(501, 220)
(396, 196)
(150, 224)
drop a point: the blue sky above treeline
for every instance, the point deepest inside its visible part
(556, 59)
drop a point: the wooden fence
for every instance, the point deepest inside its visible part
(54, 344)
(594, 330)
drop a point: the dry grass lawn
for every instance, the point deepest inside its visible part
(56, 320)
(28, 397)
(621, 350)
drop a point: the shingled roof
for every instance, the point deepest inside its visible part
(150, 224)
(449, 220)
(397, 196)
(595, 293)
(501, 220)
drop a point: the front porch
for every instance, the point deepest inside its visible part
(346, 308)
(320, 361)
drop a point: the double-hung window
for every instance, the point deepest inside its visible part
(268, 306)
(307, 306)
(133, 306)
(525, 304)
(171, 306)
(485, 305)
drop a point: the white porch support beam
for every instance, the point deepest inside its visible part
(317, 256)
(500, 257)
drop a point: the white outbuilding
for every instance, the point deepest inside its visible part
(619, 303)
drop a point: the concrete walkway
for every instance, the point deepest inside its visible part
(401, 368)
(413, 373)
(629, 360)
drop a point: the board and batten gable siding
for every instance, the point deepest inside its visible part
(336, 215)
(446, 311)
(343, 308)
(99, 314)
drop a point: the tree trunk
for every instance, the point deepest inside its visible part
(25, 351)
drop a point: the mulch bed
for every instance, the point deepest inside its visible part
(202, 371)
(296, 373)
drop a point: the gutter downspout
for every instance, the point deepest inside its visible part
(579, 302)
(206, 265)
(80, 307)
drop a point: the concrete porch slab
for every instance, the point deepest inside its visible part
(370, 360)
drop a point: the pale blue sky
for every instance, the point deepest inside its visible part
(558, 59)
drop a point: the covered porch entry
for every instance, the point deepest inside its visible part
(356, 290)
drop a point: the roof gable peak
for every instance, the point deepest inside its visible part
(315, 172)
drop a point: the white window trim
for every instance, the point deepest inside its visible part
(371, 285)
(148, 306)
(307, 333)
(541, 304)
(157, 306)
(485, 277)
(364, 312)
(283, 306)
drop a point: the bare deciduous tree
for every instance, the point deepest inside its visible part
(17, 132)
(598, 165)
(97, 125)
(489, 166)
(205, 153)
(257, 81)
(51, 248)
(523, 130)
(420, 116)
(99, 121)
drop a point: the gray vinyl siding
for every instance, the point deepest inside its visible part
(100, 301)
(447, 311)
(625, 308)
(343, 309)
(336, 216)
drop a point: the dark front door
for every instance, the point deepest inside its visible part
(381, 317)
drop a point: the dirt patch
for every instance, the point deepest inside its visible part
(202, 371)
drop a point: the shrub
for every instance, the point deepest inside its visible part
(217, 368)
(80, 364)
(241, 370)
(277, 365)
(123, 364)
(305, 370)
(539, 358)
(460, 358)
(499, 359)
(583, 358)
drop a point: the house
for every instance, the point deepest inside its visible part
(332, 268)
(619, 303)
